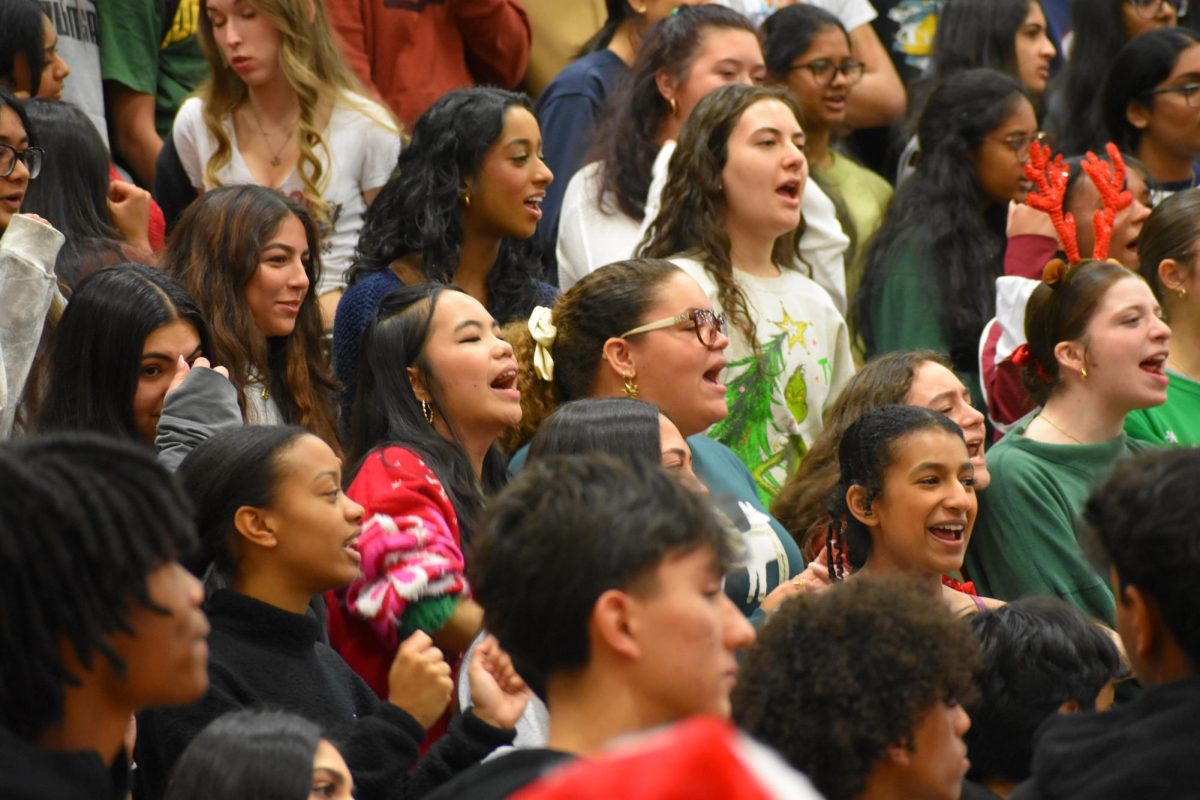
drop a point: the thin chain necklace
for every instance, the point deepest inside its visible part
(1042, 416)
(275, 160)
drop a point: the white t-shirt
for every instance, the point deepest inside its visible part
(79, 46)
(359, 155)
(591, 235)
(851, 13)
(777, 411)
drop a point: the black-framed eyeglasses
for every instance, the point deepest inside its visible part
(1149, 9)
(9, 156)
(708, 326)
(1020, 143)
(823, 69)
(1190, 92)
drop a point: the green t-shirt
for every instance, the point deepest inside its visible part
(1024, 540)
(138, 50)
(866, 197)
(1175, 422)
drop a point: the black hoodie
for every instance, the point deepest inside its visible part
(1148, 749)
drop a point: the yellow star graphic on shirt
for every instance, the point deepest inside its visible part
(794, 329)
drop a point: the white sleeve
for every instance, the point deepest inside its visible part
(658, 181)
(381, 149)
(851, 13)
(571, 247)
(192, 142)
(823, 244)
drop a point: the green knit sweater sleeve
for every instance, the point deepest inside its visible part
(906, 315)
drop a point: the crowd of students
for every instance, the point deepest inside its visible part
(372, 429)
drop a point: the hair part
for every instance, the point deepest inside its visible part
(91, 369)
(84, 520)
(789, 32)
(216, 249)
(628, 134)
(692, 215)
(868, 447)
(419, 210)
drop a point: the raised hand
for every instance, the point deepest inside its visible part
(419, 679)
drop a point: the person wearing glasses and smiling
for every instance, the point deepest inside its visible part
(1152, 107)
(809, 51)
(644, 328)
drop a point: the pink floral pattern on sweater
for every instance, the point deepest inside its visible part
(410, 540)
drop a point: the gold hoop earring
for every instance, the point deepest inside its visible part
(427, 411)
(466, 199)
(631, 387)
(673, 106)
(1183, 294)
(1083, 373)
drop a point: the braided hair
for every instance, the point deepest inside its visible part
(867, 449)
(84, 519)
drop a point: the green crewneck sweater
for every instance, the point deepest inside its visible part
(1024, 540)
(1175, 422)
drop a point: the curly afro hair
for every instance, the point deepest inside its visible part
(838, 677)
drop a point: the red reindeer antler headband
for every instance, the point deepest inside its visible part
(1050, 178)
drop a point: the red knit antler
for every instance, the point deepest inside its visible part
(1109, 182)
(1050, 177)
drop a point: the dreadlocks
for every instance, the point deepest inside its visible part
(83, 520)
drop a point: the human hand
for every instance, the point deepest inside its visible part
(498, 694)
(814, 578)
(419, 679)
(182, 369)
(36, 218)
(129, 207)
(1027, 220)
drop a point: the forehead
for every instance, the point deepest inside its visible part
(930, 380)
(1020, 120)
(928, 445)
(769, 113)
(1127, 291)
(736, 43)
(11, 129)
(518, 124)
(829, 42)
(1188, 63)
(291, 232)
(675, 295)
(454, 308)
(308, 456)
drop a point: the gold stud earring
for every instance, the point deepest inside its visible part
(1183, 294)
(1083, 373)
(631, 387)
(427, 411)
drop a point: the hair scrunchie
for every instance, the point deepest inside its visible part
(541, 327)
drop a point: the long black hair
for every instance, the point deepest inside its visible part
(21, 38)
(974, 33)
(1076, 118)
(627, 135)
(259, 754)
(943, 208)
(1141, 65)
(618, 12)
(864, 454)
(387, 412)
(419, 210)
(71, 192)
(84, 520)
(96, 351)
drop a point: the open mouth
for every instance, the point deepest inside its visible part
(790, 190)
(713, 376)
(351, 547)
(15, 199)
(948, 532)
(506, 381)
(1154, 364)
(534, 204)
(1132, 245)
(975, 448)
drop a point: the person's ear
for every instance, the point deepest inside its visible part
(1137, 115)
(1172, 276)
(1068, 707)
(863, 511)
(619, 356)
(1071, 356)
(1144, 623)
(256, 526)
(416, 377)
(666, 85)
(899, 754)
(615, 623)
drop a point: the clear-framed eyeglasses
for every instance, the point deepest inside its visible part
(708, 326)
(823, 70)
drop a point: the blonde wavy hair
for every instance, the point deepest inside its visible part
(315, 69)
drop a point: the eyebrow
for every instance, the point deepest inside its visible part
(467, 324)
(676, 451)
(327, 473)
(949, 394)
(168, 357)
(520, 143)
(332, 774)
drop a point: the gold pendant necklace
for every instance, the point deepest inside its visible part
(1042, 416)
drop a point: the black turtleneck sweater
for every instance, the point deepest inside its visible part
(34, 773)
(261, 656)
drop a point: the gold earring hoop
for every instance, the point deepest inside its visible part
(1083, 373)
(427, 411)
(673, 106)
(631, 387)
(1183, 294)
(466, 199)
